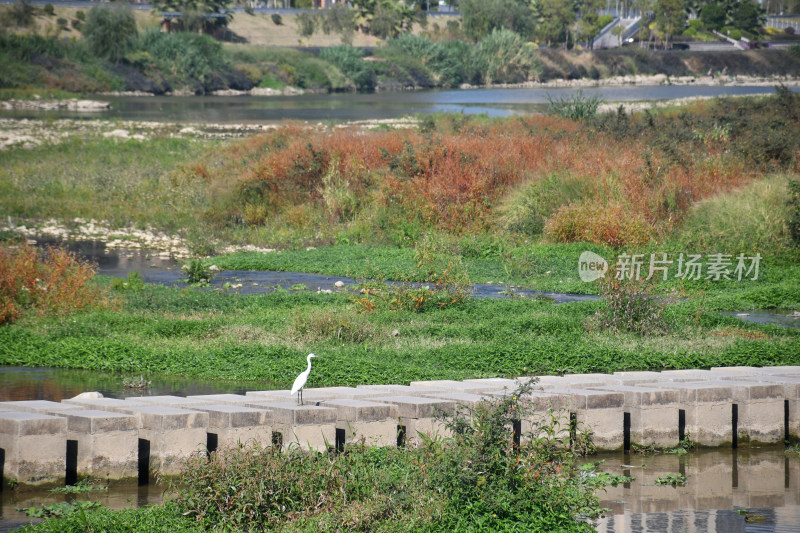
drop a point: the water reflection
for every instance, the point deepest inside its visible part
(120, 495)
(763, 482)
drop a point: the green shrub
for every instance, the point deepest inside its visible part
(351, 62)
(449, 61)
(578, 107)
(504, 57)
(197, 273)
(277, 19)
(527, 209)
(753, 219)
(133, 282)
(110, 32)
(319, 325)
(190, 57)
(49, 10)
(24, 47)
(735, 34)
(630, 307)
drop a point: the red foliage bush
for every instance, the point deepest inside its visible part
(52, 283)
(453, 179)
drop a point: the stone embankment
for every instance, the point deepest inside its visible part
(50, 442)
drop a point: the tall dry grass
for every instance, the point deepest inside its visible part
(454, 181)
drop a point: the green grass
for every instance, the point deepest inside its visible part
(544, 267)
(122, 182)
(264, 338)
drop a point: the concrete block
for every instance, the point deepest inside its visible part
(108, 443)
(102, 404)
(418, 415)
(459, 386)
(235, 424)
(759, 370)
(178, 402)
(708, 410)
(35, 446)
(761, 410)
(501, 383)
(230, 399)
(597, 411)
(41, 406)
(467, 399)
(791, 394)
(654, 414)
(374, 422)
(174, 434)
(312, 395)
(597, 377)
(375, 391)
(308, 427)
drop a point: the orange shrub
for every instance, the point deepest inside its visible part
(52, 283)
(454, 178)
(611, 224)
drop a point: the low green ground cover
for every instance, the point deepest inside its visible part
(212, 334)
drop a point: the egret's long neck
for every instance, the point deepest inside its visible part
(309, 364)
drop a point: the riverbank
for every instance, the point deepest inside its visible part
(409, 62)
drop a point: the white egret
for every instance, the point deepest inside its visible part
(300, 381)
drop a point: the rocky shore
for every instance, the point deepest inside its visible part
(115, 238)
(72, 104)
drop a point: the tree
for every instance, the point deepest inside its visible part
(553, 20)
(339, 19)
(385, 18)
(110, 32)
(713, 16)
(747, 16)
(589, 21)
(20, 13)
(197, 15)
(670, 18)
(479, 18)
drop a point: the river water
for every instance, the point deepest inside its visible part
(494, 102)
